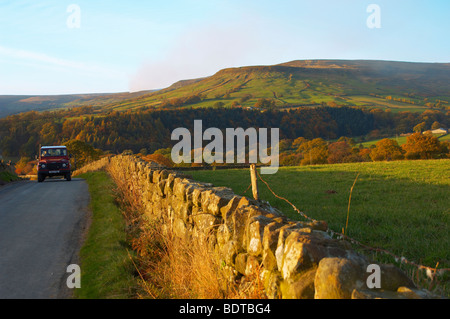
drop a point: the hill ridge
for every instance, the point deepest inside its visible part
(294, 83)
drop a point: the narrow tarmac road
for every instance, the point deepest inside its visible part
(41, 231)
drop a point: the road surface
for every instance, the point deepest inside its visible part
(41, 231)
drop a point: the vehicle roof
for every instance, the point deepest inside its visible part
(61, 146)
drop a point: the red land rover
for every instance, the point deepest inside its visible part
(53, 161)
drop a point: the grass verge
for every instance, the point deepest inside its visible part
(107, 270)
(6, 177)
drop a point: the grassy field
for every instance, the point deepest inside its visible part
(402, 139)
(272, 85)
(394, 106)
(401, 206)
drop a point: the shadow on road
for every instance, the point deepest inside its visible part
(59, 180)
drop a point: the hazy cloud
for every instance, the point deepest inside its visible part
(44, 60)
(38, 57)
(200, 52)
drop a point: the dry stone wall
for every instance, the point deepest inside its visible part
(293, 259)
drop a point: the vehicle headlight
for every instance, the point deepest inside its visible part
(64, 165)
(43, 165)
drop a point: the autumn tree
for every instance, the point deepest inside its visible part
(264, 103)
(419, 128)
(364, 154)
(340, 152)
(284, 145)
(299, 141)
(290, 159)
(424, 146)
(161, 156)
(245, 98)
(25, 166)
(314, 152)
(386, 150)
(436, 125)
(48, 133)
(350, 141)
(82, 152)
(160, 159)
(332, 104)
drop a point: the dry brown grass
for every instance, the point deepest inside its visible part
(188, 268)
(170, 267)
(176, 268)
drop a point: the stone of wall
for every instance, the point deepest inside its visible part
(293, 259)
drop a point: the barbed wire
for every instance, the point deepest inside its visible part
(250, 185)
(286, 200)
(430, 270)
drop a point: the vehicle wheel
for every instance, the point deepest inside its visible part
(41, 178)
(68, 177)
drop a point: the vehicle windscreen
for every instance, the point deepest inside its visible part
(54, 152)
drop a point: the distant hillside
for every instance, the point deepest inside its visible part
(385, 84)
(398, 86)
(13, 104)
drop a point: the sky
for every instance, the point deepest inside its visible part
(99, 46)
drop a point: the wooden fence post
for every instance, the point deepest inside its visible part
(254, 181)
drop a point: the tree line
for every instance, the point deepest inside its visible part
(302, 151)
(150, 130)
(345, 150)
